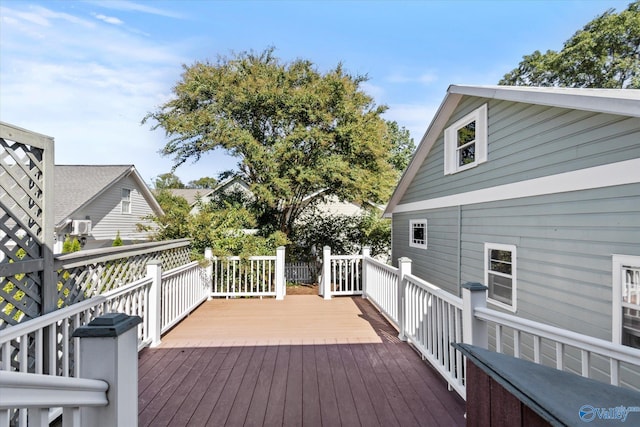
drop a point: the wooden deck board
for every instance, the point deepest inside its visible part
(326, 392)
(303, 362)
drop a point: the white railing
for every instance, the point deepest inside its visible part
(432, 322)
(35, 393)
(132, 299)
(341, 274)
(256, 276)
(432, 319)
(385, 293)
(183, 289)
(49, 334)
(561, 340)
(45, 344)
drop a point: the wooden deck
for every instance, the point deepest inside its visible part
(298, 362)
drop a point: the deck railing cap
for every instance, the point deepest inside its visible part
(108, 325)
(474, 286)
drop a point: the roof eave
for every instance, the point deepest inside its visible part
(436, 126)
(607, 101)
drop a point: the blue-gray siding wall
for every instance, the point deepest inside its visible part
(564, 242)
(529, 141)
(564, 245)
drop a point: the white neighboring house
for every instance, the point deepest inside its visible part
(195, 195)
(95, 202)
(332, 205)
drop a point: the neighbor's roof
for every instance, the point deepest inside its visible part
(625, 102)
(75, 186)
(191, 195)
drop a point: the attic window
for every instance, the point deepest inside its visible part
(126, 201)
(465, 142)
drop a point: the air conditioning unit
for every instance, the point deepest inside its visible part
(81, 227)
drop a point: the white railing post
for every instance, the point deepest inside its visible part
(154, 310)
(281, 281)
(474, 331)
(326, 272)
(208, 255)
(404, 269)
(109, 351)
(366, 253)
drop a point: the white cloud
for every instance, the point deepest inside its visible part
(375, 91)
(414, 117)
(108, 19)
(87, 85)
(136, 7)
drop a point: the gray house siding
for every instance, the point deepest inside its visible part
(529, 141)
(564, 244)
(564, 247)
(107, 218)
(438, 264)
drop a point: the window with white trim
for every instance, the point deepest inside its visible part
(626, 299)
(125, 204)
(418, 233)
(500, 274)
(465, 142)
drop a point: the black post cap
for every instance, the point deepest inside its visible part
(108, 325)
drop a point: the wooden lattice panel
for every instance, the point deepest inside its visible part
(81, 282)
(21, 227)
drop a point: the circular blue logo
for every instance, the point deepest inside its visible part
(587, 413)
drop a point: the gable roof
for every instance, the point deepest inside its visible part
(624, 102)
(75, 186)
(191, 195)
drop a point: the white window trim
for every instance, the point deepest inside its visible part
(122, 200)
(618, 262)
(411, 242)
(514, 271)
(450, 141)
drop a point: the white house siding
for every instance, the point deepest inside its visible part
(107, 218)
(333, 206)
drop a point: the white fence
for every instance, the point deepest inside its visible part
(385, 293)
(431, 319)
(41, 392)
(341, 274)
(432, 322)
(300, 272)
(45, 346)
(256, 276)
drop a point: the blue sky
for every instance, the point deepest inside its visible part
(87, 72)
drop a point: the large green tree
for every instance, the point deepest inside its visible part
(167, 180)
(402, 146)
(603, 54)
(203, 183)
(299, 134)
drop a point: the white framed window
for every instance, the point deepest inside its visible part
(125, 204)
(626, 300)
(500, 274)
(418, 233)
(465, 142)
